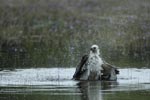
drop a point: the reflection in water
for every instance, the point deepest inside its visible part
(107, 85)
(92, 90)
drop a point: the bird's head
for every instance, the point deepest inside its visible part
(94, 49)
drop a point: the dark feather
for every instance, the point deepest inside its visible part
(80, 70)
(109, 72)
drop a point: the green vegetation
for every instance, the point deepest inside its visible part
(50, 33)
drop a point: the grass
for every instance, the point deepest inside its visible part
(37, 33)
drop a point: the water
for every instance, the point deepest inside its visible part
(57, 84)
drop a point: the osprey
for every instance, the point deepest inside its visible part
(92, 67)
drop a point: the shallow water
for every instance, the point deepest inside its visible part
(56, 84)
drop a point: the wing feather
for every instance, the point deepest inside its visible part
(109, 72)
(80, 68)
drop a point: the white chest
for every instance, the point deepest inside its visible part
(95, 63)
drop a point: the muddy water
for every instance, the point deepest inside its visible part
(56, 84)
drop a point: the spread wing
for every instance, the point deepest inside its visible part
(109, 72)
(80, 68)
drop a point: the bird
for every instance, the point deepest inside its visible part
(92, 67)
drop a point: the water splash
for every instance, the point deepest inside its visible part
(131, 78)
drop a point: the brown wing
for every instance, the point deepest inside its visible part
(80, 70)
(107, 68)
(109, 72)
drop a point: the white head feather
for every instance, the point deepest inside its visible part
(94, 50)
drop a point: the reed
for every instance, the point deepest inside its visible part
(52, 33)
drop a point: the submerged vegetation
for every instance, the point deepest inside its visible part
(49, 33)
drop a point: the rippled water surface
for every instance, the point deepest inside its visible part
(57, 84)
